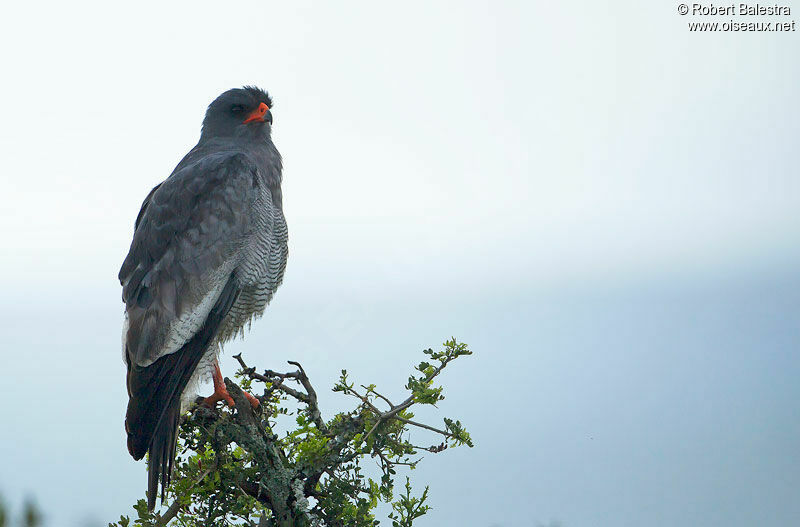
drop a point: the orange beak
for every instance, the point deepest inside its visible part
(258, 114)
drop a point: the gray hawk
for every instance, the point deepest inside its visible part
(209, 250)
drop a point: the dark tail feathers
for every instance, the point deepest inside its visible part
(162, 453)
(155, 397)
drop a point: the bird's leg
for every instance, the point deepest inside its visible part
(221, 392)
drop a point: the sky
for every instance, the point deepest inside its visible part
(603, 204)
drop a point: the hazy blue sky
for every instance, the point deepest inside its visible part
(604, 205)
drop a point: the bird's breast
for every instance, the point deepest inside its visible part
(262, 266)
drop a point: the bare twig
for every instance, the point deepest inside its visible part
(363, 399)
(313, 407)
(423, 425)
(385, 416)
(276, 380)
(391, 405)
(435, 449)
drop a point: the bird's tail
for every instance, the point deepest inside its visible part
(155, 397)
(162, 453)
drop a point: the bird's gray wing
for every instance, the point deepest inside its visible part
(188, 236)
(178, 284)
(145, 203)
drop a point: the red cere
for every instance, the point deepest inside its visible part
(258, 114)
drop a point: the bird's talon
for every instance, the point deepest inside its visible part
(220, 394)
(254, 402)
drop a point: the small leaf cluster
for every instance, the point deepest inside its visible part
(408, 508)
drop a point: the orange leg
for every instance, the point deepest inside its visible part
(221, 393)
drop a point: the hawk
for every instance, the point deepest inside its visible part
(209, 251)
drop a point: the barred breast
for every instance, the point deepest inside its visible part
(261, 270)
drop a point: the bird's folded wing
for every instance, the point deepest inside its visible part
(189, 238)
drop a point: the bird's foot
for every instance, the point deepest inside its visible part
(220, 394)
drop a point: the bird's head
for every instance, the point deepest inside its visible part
(239, 112)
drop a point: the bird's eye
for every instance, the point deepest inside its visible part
(236, 108)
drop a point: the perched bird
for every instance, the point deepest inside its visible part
(208, 252)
